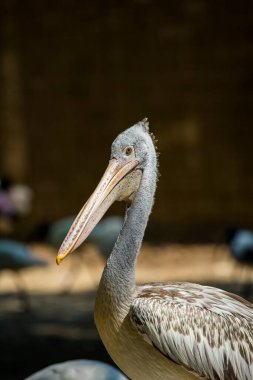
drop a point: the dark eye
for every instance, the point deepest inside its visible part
(128, 150)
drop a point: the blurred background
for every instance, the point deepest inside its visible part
(73, 75)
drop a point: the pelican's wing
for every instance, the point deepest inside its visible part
(206, 330)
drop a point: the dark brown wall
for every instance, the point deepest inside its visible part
(90, 69)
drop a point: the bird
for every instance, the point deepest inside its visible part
(240, 243)
(103, 236)
(16, 256)
(78, 370)
(161, 331)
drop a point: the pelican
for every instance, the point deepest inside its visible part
(157, 331)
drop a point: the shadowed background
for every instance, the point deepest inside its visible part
(81, 72)
(73, 75)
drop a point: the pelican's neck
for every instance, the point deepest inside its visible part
(118, 279)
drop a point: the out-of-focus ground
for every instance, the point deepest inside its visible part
(82, 270)
(60, 324)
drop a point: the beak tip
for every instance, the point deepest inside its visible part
(58, 260)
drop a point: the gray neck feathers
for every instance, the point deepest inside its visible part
(119, 273)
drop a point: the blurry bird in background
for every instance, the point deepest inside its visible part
(15, 257)
(240, 244)
(103, 237)
(15, 205)
(78, 370)
(21, 196)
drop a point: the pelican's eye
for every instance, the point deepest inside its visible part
(129, 150)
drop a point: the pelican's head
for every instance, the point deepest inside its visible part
(129, 154)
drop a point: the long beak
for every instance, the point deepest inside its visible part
(107, 191)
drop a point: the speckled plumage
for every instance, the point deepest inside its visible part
(205, 329)
(161, 331)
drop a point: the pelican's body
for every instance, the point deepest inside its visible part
(134, 355)
(199, 327)
(157, 331)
